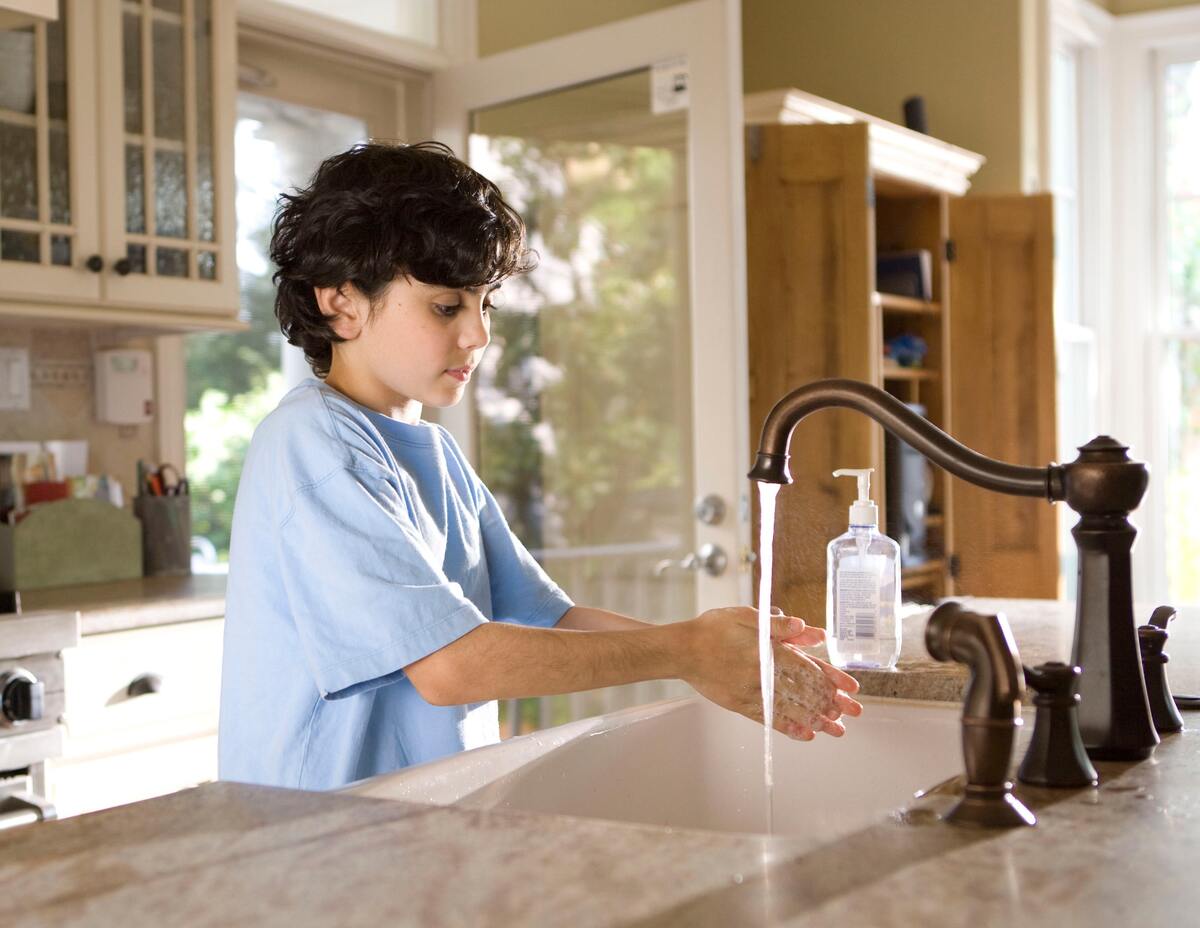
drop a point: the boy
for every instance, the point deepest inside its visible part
(378, 604)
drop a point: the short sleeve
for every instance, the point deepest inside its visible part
(366, 593)
(521, 591)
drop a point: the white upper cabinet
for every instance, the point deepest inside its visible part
(116, 164)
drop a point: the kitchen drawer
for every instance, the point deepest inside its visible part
(78, 786)
(181, 662)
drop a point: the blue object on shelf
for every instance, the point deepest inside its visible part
(907, 350)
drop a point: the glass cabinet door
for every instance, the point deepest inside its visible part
(169, 71)
(48, 209)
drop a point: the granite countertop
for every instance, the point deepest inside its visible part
(127, 604)
(1043, 629)
(227, 853)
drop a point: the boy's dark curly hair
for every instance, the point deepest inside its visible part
(381, 211)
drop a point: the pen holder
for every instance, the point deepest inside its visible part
(166, 534)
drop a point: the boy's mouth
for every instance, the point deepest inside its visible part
(461, 374)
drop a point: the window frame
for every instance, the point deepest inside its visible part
(1144, 44)
(1082, 30)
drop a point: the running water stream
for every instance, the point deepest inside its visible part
(766, 657)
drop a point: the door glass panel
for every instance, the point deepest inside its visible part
(56, 64)
(18, 172)
(20, 246)
(171, 262)
(206, 264)
(136, 254)
(131, 55)
(170, 194)
(204, 152)
(18, 89)
(34, 142)
(60, 250)
(135, 190)
(583, 404)
(60, 176)
(168, 81)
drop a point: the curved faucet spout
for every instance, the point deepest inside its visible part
(1104, 485)
(893, 415)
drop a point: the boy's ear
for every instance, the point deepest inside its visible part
(344, 307)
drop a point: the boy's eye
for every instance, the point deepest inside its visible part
(444, 309)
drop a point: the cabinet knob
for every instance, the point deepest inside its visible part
(94, 263)
(144, 684)
(122, 266)
(21, 696)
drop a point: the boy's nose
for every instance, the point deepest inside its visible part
(476, 333)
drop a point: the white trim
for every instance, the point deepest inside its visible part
(707, 32)
(459, 30)
(896, 151)
(284, 19)
(1036, 47)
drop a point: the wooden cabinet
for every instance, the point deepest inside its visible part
(116, 158)
(827, 189)
(141, 715)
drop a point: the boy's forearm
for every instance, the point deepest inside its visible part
(587, 619)
(503, 661)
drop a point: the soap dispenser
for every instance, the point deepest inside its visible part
(862, 601)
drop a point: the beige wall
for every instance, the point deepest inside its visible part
(506, 24)
(963, 58)
(66, 412)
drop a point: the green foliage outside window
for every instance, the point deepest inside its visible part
(233, 382)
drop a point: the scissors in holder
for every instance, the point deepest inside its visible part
(170, 482)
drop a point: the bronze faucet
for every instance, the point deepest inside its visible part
(991, 711)
(1103, 485)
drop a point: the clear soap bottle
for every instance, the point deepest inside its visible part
(862, 601)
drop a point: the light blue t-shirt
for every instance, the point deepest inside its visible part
(360, 545)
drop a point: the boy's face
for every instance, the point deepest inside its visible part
(419, 347)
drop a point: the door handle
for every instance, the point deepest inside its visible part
(709, 558)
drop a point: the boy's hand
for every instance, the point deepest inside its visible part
(724, 669)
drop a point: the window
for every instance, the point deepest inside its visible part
(1177, 331)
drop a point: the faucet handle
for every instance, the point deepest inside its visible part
(1152, 639)
(1161, 616)
(1056, 756)
(1054, 683)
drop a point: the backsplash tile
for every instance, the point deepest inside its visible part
(62, 403)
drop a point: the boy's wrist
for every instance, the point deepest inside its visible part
(681, 649)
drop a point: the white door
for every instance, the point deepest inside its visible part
(613, 397)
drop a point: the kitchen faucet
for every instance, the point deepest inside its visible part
(1103, 485)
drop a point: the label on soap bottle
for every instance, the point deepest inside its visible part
(857, 603)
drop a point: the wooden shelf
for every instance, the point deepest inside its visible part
(896, 372)
(935, 521)
(921, 574)
(891, 303)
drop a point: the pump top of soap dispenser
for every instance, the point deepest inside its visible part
(863, 511)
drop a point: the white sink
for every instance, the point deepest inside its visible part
(685, 763)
